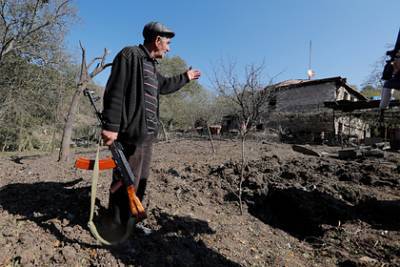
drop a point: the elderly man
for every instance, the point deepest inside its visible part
(131, 105)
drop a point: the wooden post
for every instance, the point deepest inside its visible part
(211, 139)
(164, 131)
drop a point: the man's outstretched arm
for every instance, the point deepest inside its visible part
(173, 84)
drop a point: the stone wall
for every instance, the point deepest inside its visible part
(303, 99)
(350, 126)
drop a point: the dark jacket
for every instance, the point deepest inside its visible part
(123, 104)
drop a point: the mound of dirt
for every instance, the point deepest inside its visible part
(298, 210)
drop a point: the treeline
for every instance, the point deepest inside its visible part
(38, 79)
(33, 100)
(36, 74)
(190, 104)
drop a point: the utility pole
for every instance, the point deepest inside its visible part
(310, 72)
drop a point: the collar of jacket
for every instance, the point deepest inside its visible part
(147, 54)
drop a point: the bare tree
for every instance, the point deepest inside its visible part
(249, 97)
(374, 78)
(84, 80)
(26, 26)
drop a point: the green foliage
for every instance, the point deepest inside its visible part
(31, 99)
(220, 106)
(37, 78)
(182, 108)
(370, 91)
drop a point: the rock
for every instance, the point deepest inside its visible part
(173, 172)
(349, 153)
(382, 145)
(27, 239)
(188, 169)
(325, 168)
(377, 153)
(288, 175)
(367, 180)
(8, 232)
(58, 258)
(69, 254)
(68, 229)
(307, 150)
(27, 256)
(367, 260)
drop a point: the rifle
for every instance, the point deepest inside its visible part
(126, 177)
(392, 80)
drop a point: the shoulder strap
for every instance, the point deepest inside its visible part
(92, 227)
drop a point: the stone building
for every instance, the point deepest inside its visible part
(296, 108)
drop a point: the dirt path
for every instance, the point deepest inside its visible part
(299, 210)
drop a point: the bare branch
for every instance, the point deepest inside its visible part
(93, 61)
(33, 17)
(49, 21)
(248, 95)
(101, 66)
(25, 22)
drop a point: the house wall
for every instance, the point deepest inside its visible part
(301, 112)
(304, 99)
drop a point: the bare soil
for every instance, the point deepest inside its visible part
(299, 210)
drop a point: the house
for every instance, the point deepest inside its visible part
(296, 108)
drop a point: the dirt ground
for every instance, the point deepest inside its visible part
(299, 210)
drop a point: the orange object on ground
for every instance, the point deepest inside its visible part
(88, 164)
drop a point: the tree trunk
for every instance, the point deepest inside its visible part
(242, 175)
(84, 79)
(211, 139)
(164, 131)
(67, 133)
(21, 138)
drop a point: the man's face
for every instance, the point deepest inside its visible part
(162, 46)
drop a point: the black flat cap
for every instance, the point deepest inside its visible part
(154, 28)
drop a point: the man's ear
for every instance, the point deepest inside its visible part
(157, 42)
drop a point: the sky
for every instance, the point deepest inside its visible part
(348, 36)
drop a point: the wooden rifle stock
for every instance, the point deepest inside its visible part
(128, 180)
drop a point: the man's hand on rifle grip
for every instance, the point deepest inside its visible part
(109, 137)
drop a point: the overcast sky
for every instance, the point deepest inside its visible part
(348, 36)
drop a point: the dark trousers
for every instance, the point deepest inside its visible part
(139, 158)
